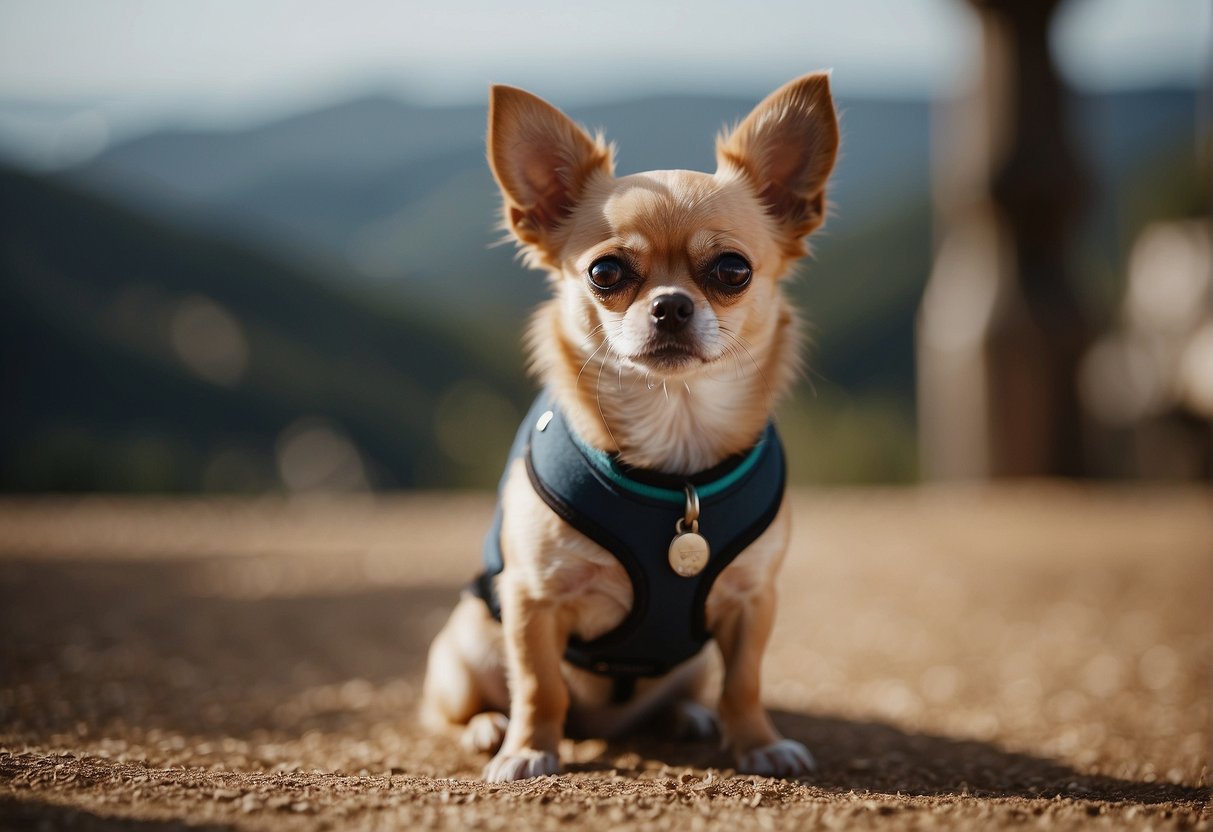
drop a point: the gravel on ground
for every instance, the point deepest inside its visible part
(1034, 655)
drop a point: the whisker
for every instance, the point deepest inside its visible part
(807, 374)
(602, 326)
(734, 353)
(587, 362)
(741, 343)
(606, 342)
(601, 415)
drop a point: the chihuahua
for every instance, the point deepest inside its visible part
(641, 516)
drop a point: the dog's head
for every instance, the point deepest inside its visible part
(673, 270)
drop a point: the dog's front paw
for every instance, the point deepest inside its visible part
(785, 758)
(520, 765)
(485, 731)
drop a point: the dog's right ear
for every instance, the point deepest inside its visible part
(542, 161)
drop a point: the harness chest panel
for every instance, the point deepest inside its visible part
(634, 519)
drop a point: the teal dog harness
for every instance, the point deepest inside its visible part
(645, 520)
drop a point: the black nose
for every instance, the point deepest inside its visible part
(671, 312)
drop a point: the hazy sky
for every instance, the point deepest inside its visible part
(244, 48)
(142, 61)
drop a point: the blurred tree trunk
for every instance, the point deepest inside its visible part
(1000, 330)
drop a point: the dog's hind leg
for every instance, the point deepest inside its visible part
(465, 678)
(485, 732)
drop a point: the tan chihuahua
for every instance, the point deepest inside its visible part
(642, 514)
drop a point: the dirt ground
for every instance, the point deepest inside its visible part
(1035, 655)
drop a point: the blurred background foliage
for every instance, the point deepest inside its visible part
(318, 300)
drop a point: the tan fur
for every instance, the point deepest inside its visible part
(595, 351)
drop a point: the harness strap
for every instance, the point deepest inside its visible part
(635, 521)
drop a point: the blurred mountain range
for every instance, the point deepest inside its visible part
(346, 259)
(141, 356)
(401, 193)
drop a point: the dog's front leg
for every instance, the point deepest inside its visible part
(742, 634)
(539, 699)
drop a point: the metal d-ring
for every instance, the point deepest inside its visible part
(690, 518)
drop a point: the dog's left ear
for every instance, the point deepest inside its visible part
(542, 161)
(786, 148)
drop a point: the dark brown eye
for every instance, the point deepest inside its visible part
(606, 273)
(732, 271)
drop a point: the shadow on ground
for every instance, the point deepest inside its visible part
(19, 814)
(158, 645)
(875, 757)
(150, 644)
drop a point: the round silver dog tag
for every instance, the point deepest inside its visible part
(689, 554)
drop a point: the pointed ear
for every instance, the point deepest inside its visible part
(541, 160)
(786, 148)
